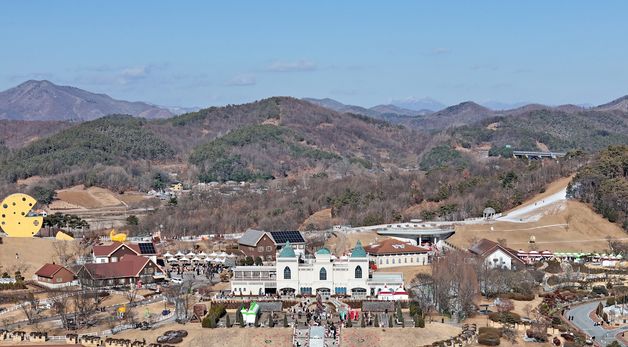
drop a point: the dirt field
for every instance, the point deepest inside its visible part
(33, 253)
(566, 226)
(398, 337)
(92, 197)
(344, 242)
(320, 220)
(235, 337)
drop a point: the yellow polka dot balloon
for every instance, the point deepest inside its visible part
(14, 218)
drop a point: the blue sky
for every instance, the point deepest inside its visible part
(360, 52)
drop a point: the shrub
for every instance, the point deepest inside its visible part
(212, 317)
(419, 321)
(505, 317)
(599, 290)
(518, 296)
(610, 301)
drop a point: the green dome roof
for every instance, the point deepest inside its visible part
(323, 251)
(287, 251)
(358, 251)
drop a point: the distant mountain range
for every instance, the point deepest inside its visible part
(44, 100)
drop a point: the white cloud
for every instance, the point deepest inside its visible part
(291, 66)
(241, 81)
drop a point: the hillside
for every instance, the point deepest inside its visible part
(603, 184)
(565, 225)
(453, 116)
(557, 130)
(111, 140)
(44, 100)
(620, 105)
(18, 133)
(282, 135)
(390, 113)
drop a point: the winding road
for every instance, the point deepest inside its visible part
(583, 322)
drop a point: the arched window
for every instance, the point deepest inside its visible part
(323, 274)
(358, 271)
(287, 274)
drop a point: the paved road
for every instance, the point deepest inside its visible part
(584, 323)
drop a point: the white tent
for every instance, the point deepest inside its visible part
(171, 259)
(207, 260)
(179, 254)
(213, 254)
(202, 254)
(385, 294)
(250, 315)
(231, 255)
(168, 255)
(190, 254)
(222, 254)
(196, 259)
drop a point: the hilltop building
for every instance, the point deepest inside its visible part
(323, 274)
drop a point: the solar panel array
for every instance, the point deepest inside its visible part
(282, 237)
(147, 248)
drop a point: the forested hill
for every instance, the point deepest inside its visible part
(274, 137)
(111, 140)
(283, 136)
(552, 129)
(604, 184)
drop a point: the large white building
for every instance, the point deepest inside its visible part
(324, 274)
(395, 253)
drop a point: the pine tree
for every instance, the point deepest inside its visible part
(228, 321)
(376, 321)
(390, 321)
(285, 320)
(270, 320)
(362, 322)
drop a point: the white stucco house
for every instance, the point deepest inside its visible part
(496, 255)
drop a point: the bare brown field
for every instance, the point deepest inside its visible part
(574, 228)
(345, 241)
(399, 337)
(236, 337)
(566, 226)
(33, 253)
(92, 197)
(319, 219)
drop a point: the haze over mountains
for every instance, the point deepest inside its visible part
(44, 100)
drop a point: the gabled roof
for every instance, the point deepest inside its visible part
(251, 237)
(49, 270)
(281, 237)
(392, 246)
(486, 247)
(128, 266)
(358, 251)
(287, 251)
(109, 249)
